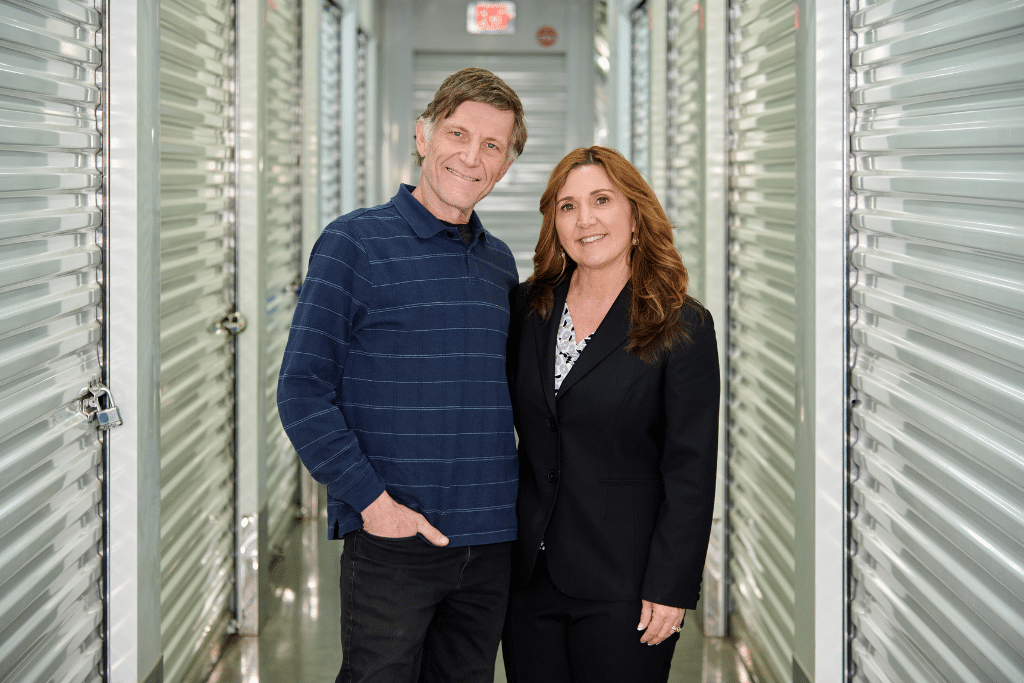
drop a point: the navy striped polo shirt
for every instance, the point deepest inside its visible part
(394, 373)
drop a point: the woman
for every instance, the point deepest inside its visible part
(613, 371)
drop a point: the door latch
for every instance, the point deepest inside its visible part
(232, 324)
(91, 404)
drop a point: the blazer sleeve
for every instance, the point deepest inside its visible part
(691, 390)
(516, 305)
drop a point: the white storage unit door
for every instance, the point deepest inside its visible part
(511, 210)
(684, 202)
(51, 459)
(938, 343)
(640, 90)
(761, 417)
(283, 245)
(330, 113)
(197, 516)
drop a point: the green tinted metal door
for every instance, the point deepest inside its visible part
(52, 464)
(510, 210)
(937, 342)
(684, 202)
(762, 320)
(197, 366)
(330, 114)
(283, 244)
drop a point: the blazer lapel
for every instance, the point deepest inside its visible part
(545, 334)
(610, 335)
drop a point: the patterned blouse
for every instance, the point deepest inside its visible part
(567, 349)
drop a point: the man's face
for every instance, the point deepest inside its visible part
(463, 159)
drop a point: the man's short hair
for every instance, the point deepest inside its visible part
(475, 85)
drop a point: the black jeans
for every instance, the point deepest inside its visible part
(413, 612)
(553, 638)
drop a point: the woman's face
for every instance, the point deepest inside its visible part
(593, 220)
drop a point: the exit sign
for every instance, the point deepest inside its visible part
(491, 17)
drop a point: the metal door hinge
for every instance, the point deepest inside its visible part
(232, 323)
(91, 404)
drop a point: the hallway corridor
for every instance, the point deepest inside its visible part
(299, 641)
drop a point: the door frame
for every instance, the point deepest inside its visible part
(132, 317)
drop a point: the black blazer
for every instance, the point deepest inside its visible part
(616, 475)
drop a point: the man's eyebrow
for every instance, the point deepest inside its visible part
(463, 129)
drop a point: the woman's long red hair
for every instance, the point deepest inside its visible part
(657, 273)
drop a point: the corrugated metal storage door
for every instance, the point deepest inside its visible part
(684, 203)
(762, 331)
(938, 343)
(640, 90)
(330, 113)
(363, 141)
(283, 244)
(51, 460)
(602, 64)
(197, 515)
(511, 210)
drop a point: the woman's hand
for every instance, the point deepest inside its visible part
(660, 621)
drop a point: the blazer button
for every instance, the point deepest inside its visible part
(552, 476)
(552, 425)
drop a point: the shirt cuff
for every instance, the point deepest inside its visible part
(363, 492)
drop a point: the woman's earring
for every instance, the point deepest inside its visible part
(563, 263)
(635, 240)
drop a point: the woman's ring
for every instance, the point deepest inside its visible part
(676, 629)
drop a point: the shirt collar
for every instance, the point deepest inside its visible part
(424, 223)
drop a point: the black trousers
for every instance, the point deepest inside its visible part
(412, 612)
(552, 638)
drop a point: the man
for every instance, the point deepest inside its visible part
(393, 392)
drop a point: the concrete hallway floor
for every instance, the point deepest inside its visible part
(300, 642)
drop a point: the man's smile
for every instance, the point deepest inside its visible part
(464, 177)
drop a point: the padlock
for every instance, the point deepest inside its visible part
(105, 419)
(90, 404)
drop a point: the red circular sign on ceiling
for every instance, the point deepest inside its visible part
(546, 36)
